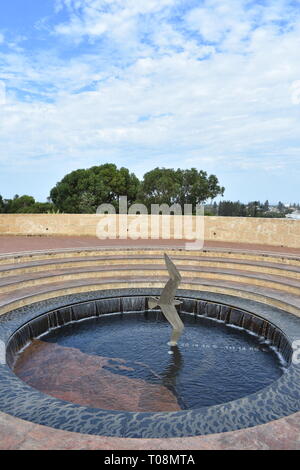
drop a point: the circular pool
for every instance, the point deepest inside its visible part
(100, 364)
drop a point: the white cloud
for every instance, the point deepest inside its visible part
(2, 93)
(295, 92)
(119, 18)
(169, 99)
(217, 21)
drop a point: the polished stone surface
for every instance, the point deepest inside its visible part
(70, 375)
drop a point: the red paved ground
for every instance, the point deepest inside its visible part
(9, 244)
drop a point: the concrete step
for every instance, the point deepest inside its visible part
(21, 258)
(265, 277)
(42, 278)
(287, 301)
(119, 260)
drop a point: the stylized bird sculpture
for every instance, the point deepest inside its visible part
(167, 301)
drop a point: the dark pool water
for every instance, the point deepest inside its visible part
(213, 363)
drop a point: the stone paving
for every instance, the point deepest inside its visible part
(11, 244)
(16, 434)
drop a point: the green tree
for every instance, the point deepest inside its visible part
(281, 207)
(87, 203)
(160, 186)
(2, 205)
(197, 186)
(24, 205)
(266, 206)
(38, 208)
(232, 209)
(19, 204)
(215, 208)
(169, 186)
(225, 209)
(84, 190)
(254, 209)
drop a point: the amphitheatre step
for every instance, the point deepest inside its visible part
(61, 255)
(138, 264)
(287, 301)
(267, 277)
(73, 263)
(265, 280)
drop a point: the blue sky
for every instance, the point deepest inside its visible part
(211, 84)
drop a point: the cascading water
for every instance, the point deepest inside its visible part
(120, 361)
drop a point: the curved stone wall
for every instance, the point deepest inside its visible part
(79, 311)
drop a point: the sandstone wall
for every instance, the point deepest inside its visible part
(278, 232)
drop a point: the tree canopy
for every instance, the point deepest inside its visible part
(23, 205)
(169, 186)
(82, 191)
(251, 209)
